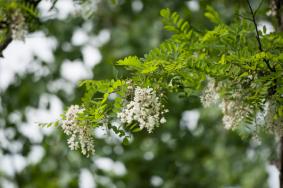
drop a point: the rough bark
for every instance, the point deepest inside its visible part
(281, 163)
(279, 15)
(277, 5)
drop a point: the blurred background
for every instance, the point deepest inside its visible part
(38, 80)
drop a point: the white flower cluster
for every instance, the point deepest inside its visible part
(273, 122)
(18, 25)
(209, 95)
(235, 110)
(233, 113)
(145, 108)
(273, 9)
(80, 135)
(87, 8)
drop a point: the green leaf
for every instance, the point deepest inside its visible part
(137, 129)
(131, 62)
(244, 74)
(126, 141)
(165, 13)
(212, 15)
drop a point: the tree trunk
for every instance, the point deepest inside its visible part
(281, 163)
(277, 4)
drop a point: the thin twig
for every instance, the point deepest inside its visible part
(244, 17)
(258, 38)
(53, 5)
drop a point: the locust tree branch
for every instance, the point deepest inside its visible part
(257, 36)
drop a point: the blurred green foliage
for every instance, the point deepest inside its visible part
(173, 156)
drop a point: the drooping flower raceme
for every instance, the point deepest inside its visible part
(233, 112)
(145, 109)
(18, 25)
(209, 95)
(272, 121)
(80, 134)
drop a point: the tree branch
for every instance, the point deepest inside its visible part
(7, 40)
(4, 45)
(278, 14)
(5, 25)
(257, 36)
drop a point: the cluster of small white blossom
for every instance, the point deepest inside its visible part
(273, 122)
(86, 8)
(145, 108)
(80, 135)
(18, 25)
(273, 9)
(210, 95)
(233, 113)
